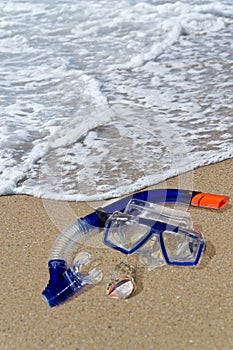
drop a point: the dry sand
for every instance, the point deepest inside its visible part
(174, 308)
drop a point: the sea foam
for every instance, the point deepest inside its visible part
(99, 98)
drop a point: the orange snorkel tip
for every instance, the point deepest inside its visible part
(208, 200)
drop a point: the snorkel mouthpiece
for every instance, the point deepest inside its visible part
(66, 282)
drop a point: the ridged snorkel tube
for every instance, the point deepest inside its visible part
(65, 281)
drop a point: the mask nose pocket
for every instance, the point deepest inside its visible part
(150, 254)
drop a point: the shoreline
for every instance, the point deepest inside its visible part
(173, 308)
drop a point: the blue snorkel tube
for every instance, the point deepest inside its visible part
(65, 281)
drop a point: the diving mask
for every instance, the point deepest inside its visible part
(158, 234)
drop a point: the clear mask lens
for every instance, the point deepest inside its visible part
(124, 231)
(183, 246)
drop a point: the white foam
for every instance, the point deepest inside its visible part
(101, 100)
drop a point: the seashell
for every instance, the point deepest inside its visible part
(121, 288)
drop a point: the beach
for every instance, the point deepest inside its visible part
(173, 308)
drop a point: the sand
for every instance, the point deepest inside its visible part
(173, 308)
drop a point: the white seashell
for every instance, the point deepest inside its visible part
(121, 288)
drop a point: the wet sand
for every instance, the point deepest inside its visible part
(174, 308)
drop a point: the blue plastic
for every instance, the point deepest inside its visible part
(63, 283)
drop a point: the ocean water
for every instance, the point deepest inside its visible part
(101, 98)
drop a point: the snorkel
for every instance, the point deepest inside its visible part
(67, 280)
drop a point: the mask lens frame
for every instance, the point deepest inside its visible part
(126, 233)
(188, 246)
